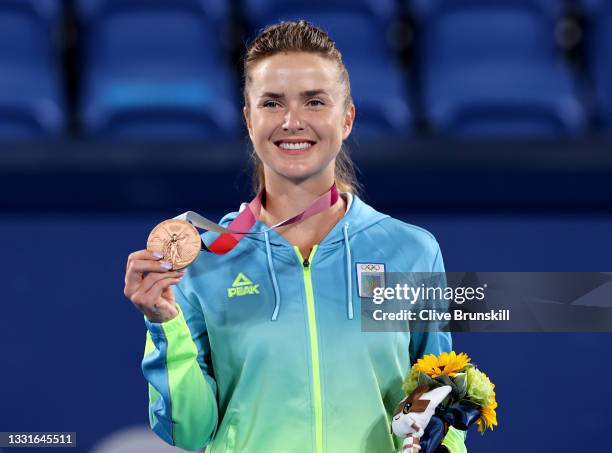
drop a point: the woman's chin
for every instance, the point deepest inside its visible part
(297, 175)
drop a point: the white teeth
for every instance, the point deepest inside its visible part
(295, 145)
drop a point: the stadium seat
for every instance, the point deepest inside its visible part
(491, 68)
(157, 69)
(360, 29)
(599, 56)
(32, 103)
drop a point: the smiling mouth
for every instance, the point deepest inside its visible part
(295, 147)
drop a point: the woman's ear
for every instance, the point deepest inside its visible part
(349, 118)
(247, 120)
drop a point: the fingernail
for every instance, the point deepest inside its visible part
(157, 255)
(166, 266)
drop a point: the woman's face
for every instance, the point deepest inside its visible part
(296, 116)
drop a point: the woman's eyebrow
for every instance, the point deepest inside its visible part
(310, 93)
(303, 94)
(269, 94)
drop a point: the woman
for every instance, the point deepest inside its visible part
(261, 349)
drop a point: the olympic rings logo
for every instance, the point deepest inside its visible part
(371, 267)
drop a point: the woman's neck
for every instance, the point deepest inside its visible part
(284, 200)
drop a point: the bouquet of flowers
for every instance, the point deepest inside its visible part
(443, 391)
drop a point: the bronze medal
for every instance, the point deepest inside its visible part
(178, 240)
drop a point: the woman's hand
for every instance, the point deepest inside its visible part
(151, 293)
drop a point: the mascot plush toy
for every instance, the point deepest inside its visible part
(414, 413)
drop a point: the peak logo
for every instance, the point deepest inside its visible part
(242, 286)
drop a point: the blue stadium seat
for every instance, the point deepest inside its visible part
(490, 68)
(599, 52)
(360, 29)
(157, 69)
(32, 104)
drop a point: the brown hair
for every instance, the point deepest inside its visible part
(300, 36)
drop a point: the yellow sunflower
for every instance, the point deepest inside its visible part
(429, 365)
(448, 363)
(453, 363)
(488, 416)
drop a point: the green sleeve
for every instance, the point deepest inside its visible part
(455, 441)
(182, 392)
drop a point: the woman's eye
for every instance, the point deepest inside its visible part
(271, 104)
(315, 102)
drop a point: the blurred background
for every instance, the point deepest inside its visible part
(488, 122)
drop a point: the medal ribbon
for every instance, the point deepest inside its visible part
(240, 226)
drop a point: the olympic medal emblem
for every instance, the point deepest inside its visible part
(177, 240)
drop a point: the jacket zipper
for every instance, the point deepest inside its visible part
(314, 346)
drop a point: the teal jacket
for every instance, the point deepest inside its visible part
(267, 352)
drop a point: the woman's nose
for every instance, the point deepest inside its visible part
(293, 121)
